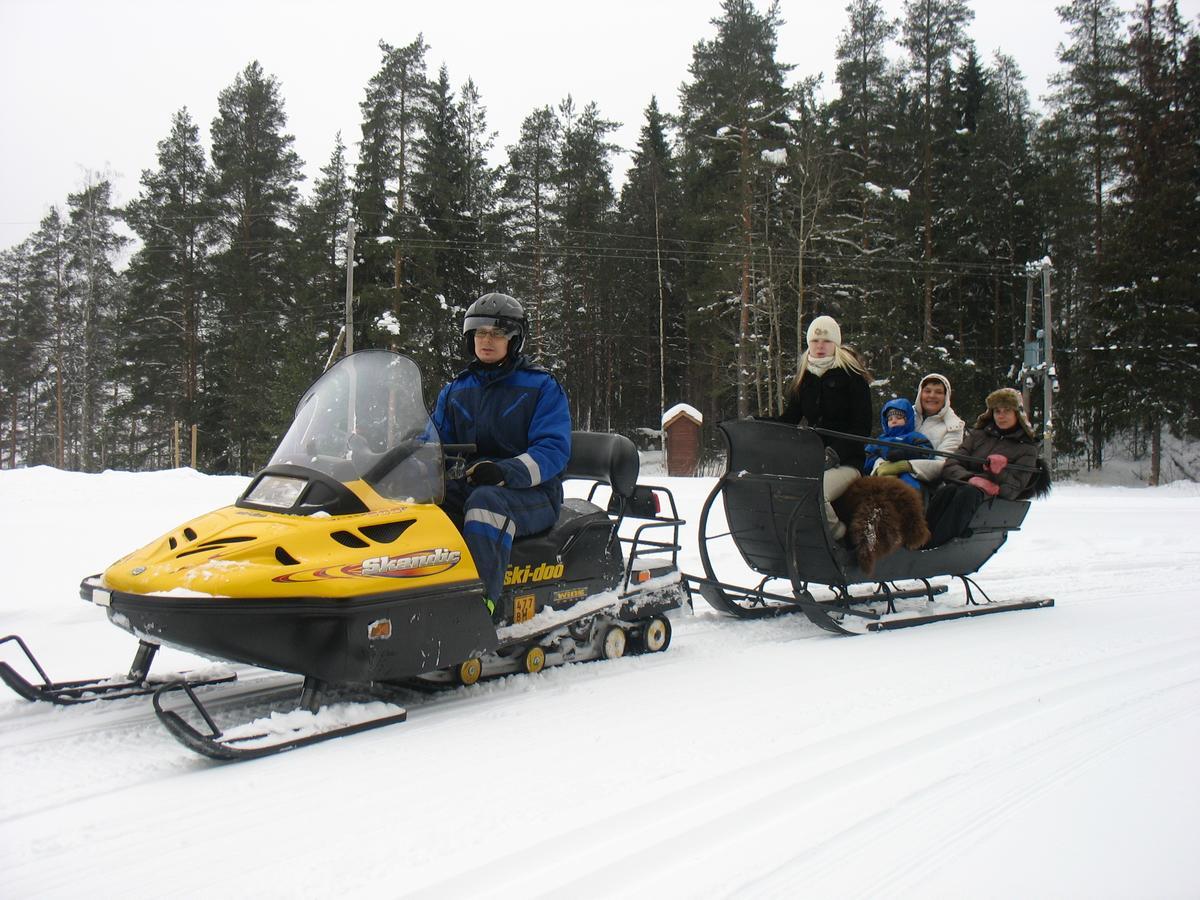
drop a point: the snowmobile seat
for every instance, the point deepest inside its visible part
(604, 459)
(609, 459)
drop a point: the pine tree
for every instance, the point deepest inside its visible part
(397, 98)
(254, 192)
(52, 289)
(933, 31)
(527, 199)
(862, 117)
(735, 106)
(811, 218)
(160, 351)
(868, 231)
(93, 247)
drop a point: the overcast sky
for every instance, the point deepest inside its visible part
(90, 85)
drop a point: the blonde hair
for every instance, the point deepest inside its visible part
(843, 358)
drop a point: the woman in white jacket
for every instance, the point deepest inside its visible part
(938, 422)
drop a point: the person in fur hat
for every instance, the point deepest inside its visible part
(1002, 435)
(898, 420)
(832, 390)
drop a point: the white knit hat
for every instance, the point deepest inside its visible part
(824, 328)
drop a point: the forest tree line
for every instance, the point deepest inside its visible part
(909, 207)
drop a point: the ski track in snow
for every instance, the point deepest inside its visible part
(1040, 753)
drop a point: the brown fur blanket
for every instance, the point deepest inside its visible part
(881, 515)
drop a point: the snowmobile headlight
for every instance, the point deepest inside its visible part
(279, 491)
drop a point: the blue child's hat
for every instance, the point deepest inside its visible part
(903, 406)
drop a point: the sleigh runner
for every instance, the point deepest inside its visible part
(772, 498)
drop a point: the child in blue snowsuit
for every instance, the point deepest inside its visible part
(899, 422)
(516, 415)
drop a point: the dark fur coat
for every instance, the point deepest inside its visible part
(881, 515)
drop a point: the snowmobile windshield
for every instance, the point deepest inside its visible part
(365, 419)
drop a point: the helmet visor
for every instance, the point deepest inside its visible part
(500, 327)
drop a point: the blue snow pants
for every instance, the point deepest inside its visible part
(490, 517)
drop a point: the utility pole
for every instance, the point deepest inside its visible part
(1030, 361)
(349, 286)
(1039, 354)
(1049, 377)
(662, 342)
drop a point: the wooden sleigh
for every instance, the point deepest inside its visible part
(773, 500)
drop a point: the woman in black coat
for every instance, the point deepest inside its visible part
(832, 390)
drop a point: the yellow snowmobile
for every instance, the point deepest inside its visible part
(337, 564)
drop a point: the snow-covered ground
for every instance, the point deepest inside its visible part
(1048, 753)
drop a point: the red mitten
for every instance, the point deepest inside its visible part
(988, 487)
(995, 463)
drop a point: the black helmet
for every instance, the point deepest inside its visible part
(495, 311)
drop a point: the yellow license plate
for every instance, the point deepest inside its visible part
(523, 608)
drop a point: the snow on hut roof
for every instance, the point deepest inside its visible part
(682, 409)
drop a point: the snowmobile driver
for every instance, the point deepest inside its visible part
(516, 415)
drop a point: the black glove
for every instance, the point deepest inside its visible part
(832, 460)
(485, 472)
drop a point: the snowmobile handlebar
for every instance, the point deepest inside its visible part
(920, 451)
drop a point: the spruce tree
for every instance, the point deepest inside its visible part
(483, 228)
(442, 271)
(1085, 105)
(318, 312)
(1149, 309)
(650, 277)
(582, 316)
(23, 358)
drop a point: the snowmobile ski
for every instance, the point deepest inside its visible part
(274, 734)
(86, 690)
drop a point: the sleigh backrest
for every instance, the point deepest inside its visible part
(772, 486)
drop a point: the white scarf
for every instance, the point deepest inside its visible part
(820, 366)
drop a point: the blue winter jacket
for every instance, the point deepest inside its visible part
(904, 434)
(516, 416)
